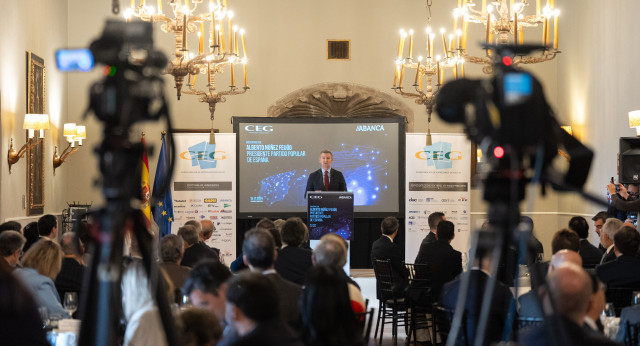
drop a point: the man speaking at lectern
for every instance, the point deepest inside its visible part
(326, 178)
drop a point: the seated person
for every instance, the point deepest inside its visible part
(293, 261)
(199, 327)
(590, 254)
(11, 243)
(171, 251)
(385, 249)
(72, 271)
(625, 269)
(194, 249)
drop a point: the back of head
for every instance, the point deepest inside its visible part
(265, 224)
(46, 224)
(565, 257)
(579, 225)
(45, 256)
(327, 324)
(10, 226)
(277, 238)
(389, 225)
(602, 215)
(207, 228)
(171, 247)
(446, 230)
(68, 243)
(434, 219)
(293, 231)
(570, 288)
(196, 225)
(259, 248)
(30, 232)
(10, 242)
(627, 240)
(207, 276)
(199, 327)
(254, 295)
(278, 224)
(611, 226)
(189, 234)
(565, 239)
(528, 221)
(331, 251)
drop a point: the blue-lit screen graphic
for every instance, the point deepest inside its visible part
(275, 160)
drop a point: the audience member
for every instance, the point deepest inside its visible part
(194, 250)
(609, 230)
(171, 251)
(72, 270)
(535, 250)
(200, 230)
(144, 326)
(48, 227)
(332, 251)
(11, 243)
(293, 261)
(266, 224)
(30, 232)
(625, 269)
(590, 254)
(570, 290)
(199, 327)
(478, 278)
(278, 224)
(596, 305)
(20, 323)
(565, 239)
(11, 226)
(207, 285)
(252, 310)
(444, 262)
(385, 249)
(598, 221)
(327, 316)
(208, 227)
(41, 266)
(530, 301)
(259, 254)
(433, 220)
(238, 264)
(630, 314)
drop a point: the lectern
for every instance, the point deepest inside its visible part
(330, 212)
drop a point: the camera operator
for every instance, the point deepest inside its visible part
(626, 200)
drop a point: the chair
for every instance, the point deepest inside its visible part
(420, 299)
(390, 304)
(442, 318)
(524, 322)
(365, 321)
(621, 297)
(631, 338)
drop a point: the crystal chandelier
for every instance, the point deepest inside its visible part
(222, 49)
(430, 67)
(505, 24)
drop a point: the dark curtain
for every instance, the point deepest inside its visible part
(367, 231)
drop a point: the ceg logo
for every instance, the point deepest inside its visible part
(439, 155)
(258, 128)
(203, 155)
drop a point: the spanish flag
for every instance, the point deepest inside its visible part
(146, 189)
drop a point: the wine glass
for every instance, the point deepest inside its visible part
(636, 298)
(44, 316)
(70, 302)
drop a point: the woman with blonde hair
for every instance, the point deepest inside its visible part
(41, 264)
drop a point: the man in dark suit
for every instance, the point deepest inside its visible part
(252, 311)
(72, 271)
(385, 249)
(609, 230)
(293, 261)
(326, 178)
(259, 252)
(207, 287)
(194, 250)
(570, 289)
(590, 254)
(434, 219)
(444, 262)
(598, 221)
(625, 270)
(500, 301)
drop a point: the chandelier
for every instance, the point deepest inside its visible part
(222, 49)
(505, 24)
(430, 67)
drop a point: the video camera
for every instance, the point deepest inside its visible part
(509, 118)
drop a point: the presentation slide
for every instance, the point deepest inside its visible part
(276, 156)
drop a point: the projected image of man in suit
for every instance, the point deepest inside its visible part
(326, 178)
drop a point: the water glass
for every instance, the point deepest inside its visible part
(44, 316)
(70, 302)
(636, 297)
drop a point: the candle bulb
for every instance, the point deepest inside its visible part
(133, 4)
(184, 31)
(488, 28)
(417, 74)
(244, 47)
(235, 40)
(213, 31)
(441, 70)
(459, 39)
(244, 72)
(201, 43)
(455, 20)
(225, 4)
(515, 28)
(428, 44)
(555, 29)
(401, 75)
(432, 36)
(233, 77)
(511, 9)
(396, 72)
(142, 3)
(194, 79)
(410, 44)
(438, 70)
(544, 31)
(230, 14)
(451, 43)
(455, 71)
(521, 37)
(221, 49)
(462, 68)
(538, 8)
(159, 6)
(444, 43)
(404, 35)
(465, 29)
(400, 45)
(484, 6)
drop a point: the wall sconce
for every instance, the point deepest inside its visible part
(74, 134)
(634, 121)
(32, 122)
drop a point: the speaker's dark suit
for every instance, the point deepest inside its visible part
(316, 181)
(590, 254)
(625, 270)
(502, 297)
(445, 263)
(384, 249)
